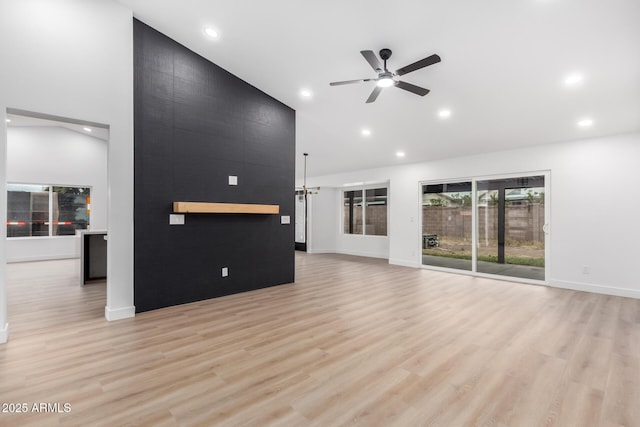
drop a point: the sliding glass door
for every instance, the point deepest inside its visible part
(446, 225)
(491, 226)
(510, 227)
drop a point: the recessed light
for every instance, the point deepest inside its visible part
(573, 79)
(400, 154)
(444, 114)
(7, 120)
(585, 123)
(87, 129)
(305, 93)
(212, 32)
(366, 132)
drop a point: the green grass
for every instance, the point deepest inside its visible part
(448, 255)
(514, 260)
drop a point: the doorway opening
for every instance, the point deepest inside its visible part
(301, 221)
(57, 188)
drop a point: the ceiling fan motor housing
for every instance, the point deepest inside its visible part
(385, 54)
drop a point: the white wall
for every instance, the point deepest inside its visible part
(322, 221)
(594, 206)
(325, 228)
(369, 246)
(58, 156)
(74, 58)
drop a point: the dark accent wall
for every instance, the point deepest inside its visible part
(196, 124)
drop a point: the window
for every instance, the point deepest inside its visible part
(375, 212)
(353, 212)
(365, 212)
(35, 210)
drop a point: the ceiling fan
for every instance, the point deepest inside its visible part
(386, 78)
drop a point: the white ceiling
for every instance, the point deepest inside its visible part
(19, 120)
(502, 71)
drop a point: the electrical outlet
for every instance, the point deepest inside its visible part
(176, 219)
(225, 271)
(233, 180)
(585, 269)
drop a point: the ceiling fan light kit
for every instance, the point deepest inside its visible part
(385, 81)
(386, 78)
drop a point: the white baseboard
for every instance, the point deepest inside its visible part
(4, 334)
(404, 263)
(597, 289)
(42, 258)
(563, 284)
(321, 251)
(354, 253)
(364, 254)
(119, 313)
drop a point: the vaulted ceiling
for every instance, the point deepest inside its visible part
(502, 75)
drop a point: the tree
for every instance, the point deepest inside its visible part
(437, 202)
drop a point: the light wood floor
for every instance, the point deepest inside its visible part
(354, 342)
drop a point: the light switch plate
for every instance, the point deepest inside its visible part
(285, 219)
(176, 219)
(233, 180)
(225, 271)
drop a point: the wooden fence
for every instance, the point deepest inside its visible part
(523, 222)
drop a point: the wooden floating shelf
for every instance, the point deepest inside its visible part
(232, 208)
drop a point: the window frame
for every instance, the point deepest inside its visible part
(546, 173)
(50, 231)
(363, 189)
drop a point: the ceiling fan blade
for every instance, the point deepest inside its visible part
(348, 82)
(372, 59)
(430, 60)
(412, 88)
(374, 94)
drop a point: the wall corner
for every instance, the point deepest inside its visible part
(119, 313)
(4, 334)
